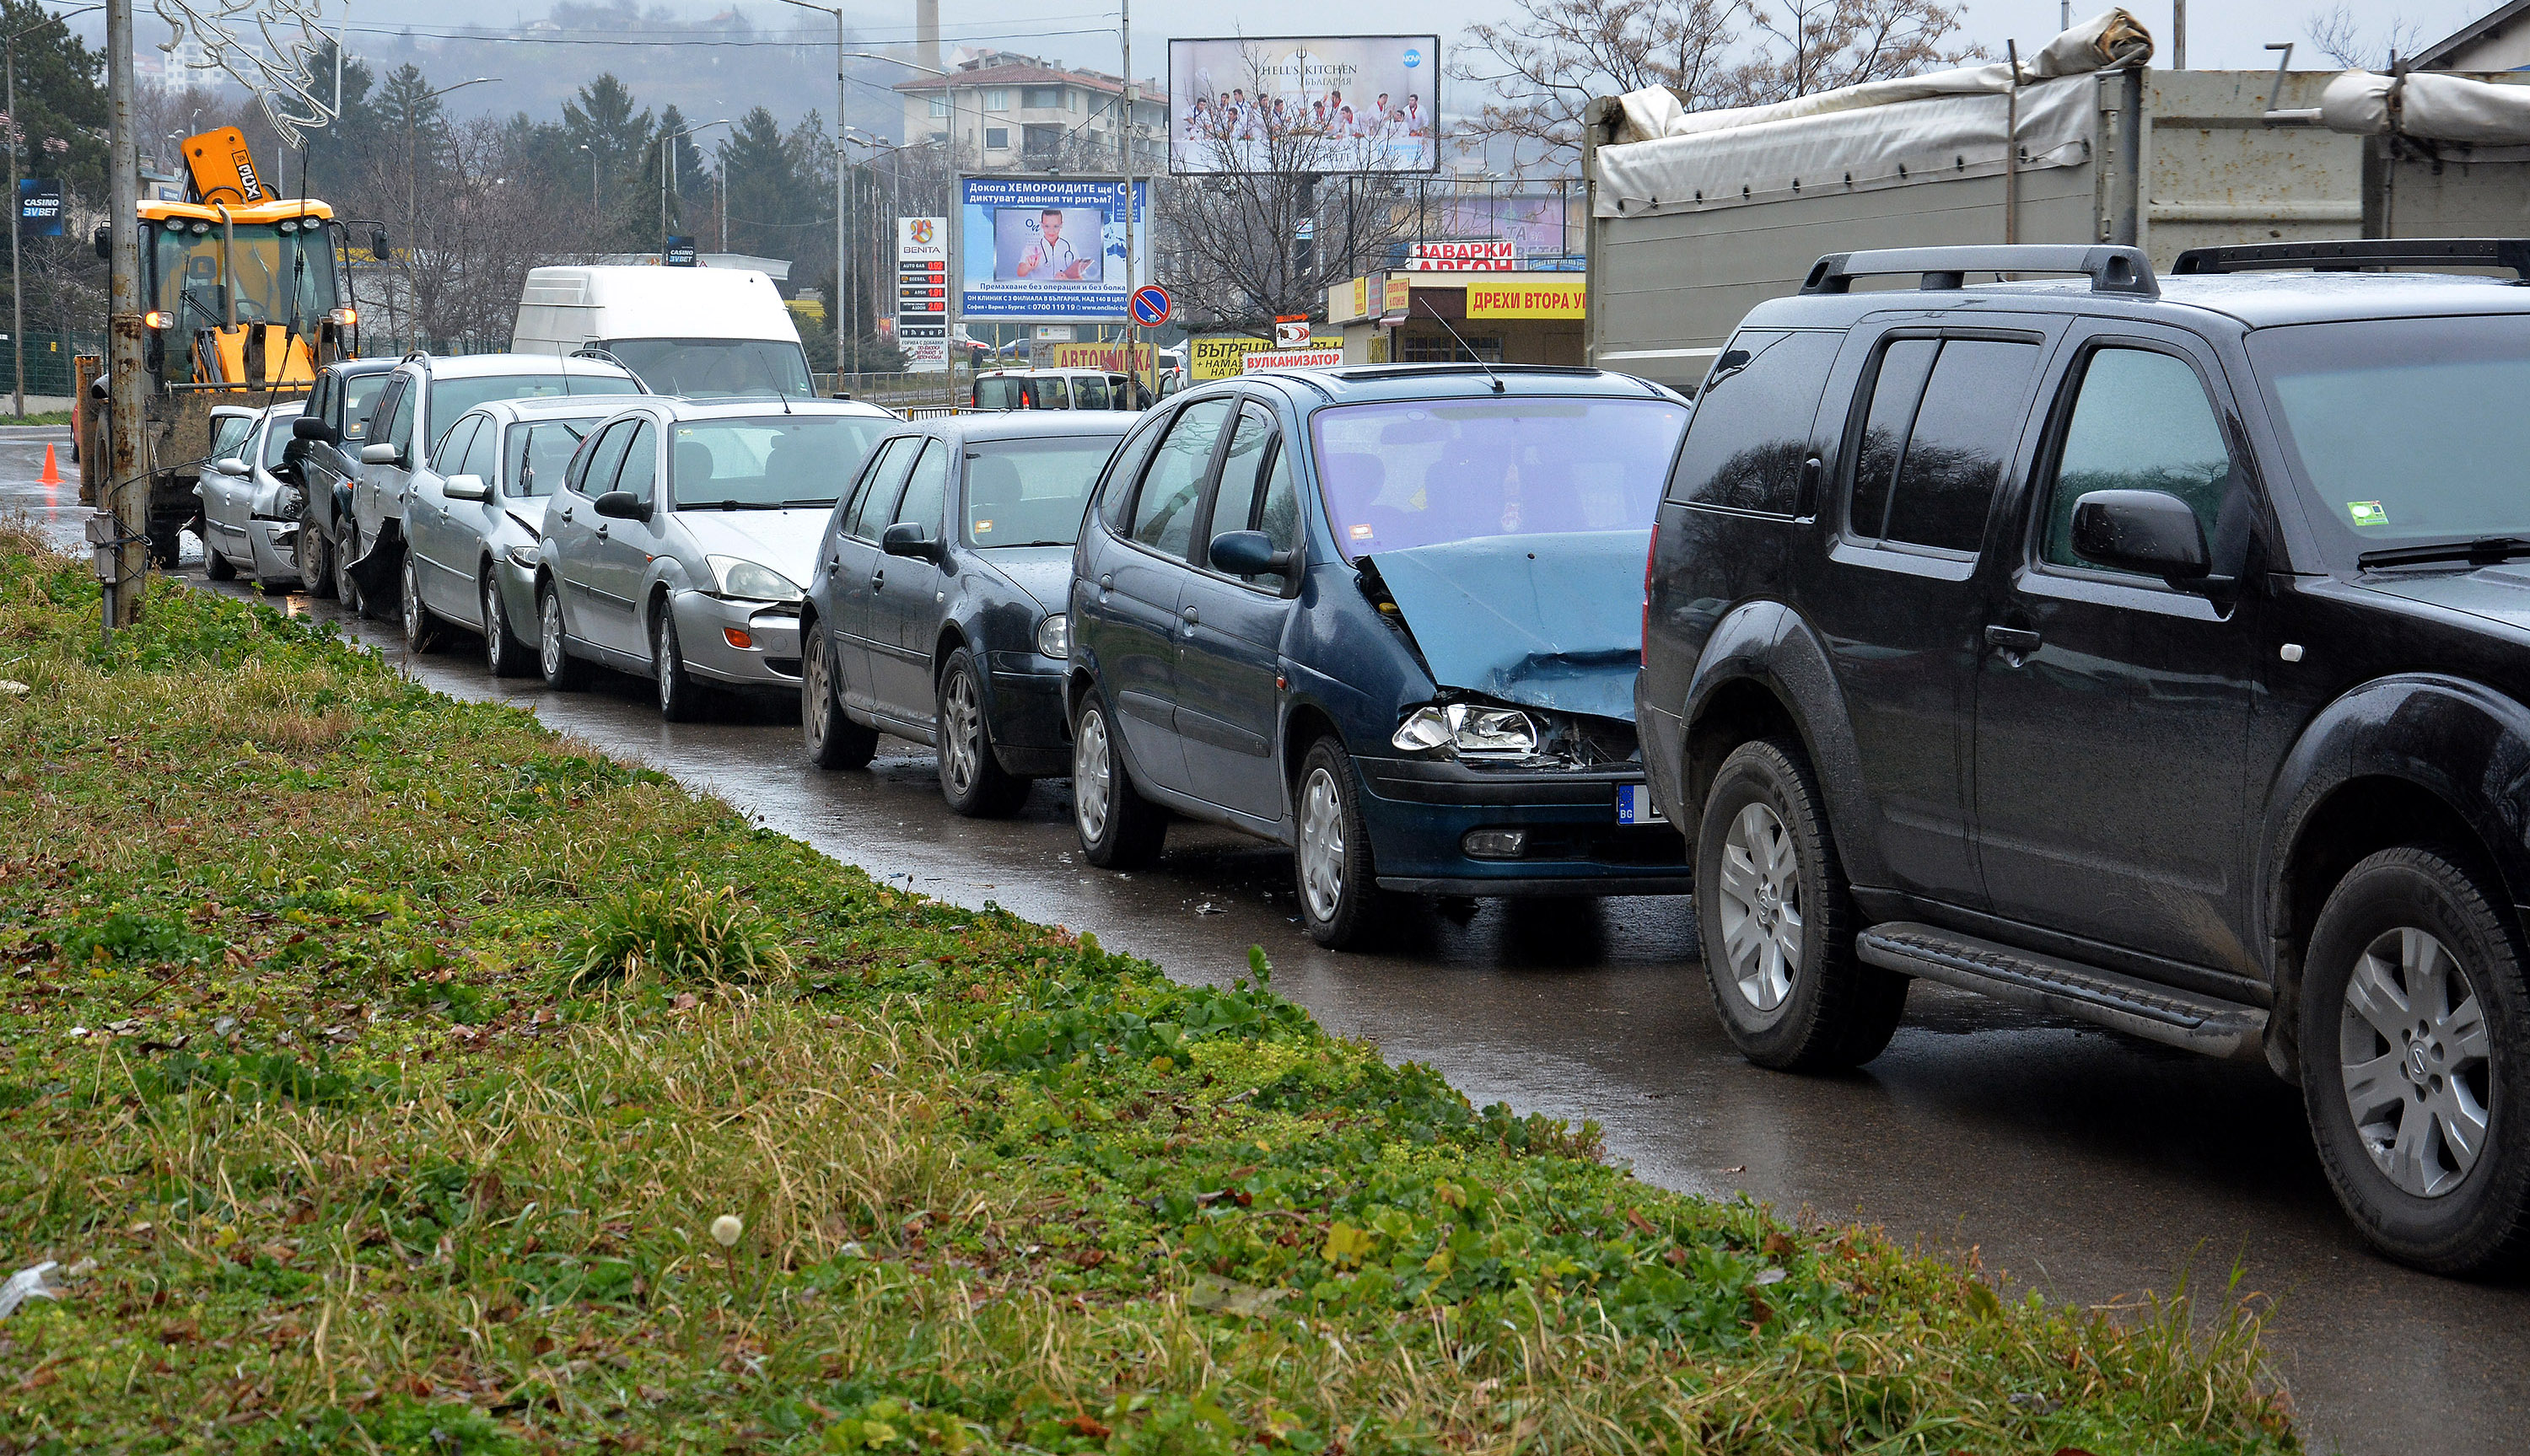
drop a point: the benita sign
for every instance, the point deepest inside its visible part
(1478, 256)
(922, 293)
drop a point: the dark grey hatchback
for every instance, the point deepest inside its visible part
(1390, 616)
(936, 612)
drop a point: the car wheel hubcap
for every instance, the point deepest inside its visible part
(491, 626)
(961, 746)
(411, 603)
(549, 635)
(1322, 844)
(1092, 780)
(814, 701)
(663, 662)
(2412, 1046)
(1761, 906)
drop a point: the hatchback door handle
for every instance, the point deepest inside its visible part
(878, 581)
(1191, 615)
(566, 513)
(601, 533)
(2014, 644)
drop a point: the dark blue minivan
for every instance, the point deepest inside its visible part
(1388, 615)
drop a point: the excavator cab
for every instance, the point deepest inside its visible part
(243, 286)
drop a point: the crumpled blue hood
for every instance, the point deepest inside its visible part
(1547, 621)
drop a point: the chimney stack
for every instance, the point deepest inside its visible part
(927, 32)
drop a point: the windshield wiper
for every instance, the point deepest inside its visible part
(808, 504)
(2485, 551)
(727, 505)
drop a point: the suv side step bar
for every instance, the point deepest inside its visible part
(2024, 978)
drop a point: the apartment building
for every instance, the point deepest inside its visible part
(1012, 113)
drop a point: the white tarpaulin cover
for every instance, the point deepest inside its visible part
(1940, 137)
(2429, 106)
(1949, 123)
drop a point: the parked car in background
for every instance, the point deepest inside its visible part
(680, 540)
(2149, 651)
(327, 439)
(473, 524)
(936, 612)
(1050, 389)
(251, 504)
(1386, 615)
(422, 397)
(702, 333)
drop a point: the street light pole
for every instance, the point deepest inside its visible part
(16, 217)
(956, 213)
(668, 174)
(835, 306)
(412, 165)
(595, 212)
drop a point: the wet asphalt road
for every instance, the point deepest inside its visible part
(2092, 1167)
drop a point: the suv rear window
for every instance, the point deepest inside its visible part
(1752, 429)
(1944, 416)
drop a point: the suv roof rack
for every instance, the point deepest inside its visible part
(2111, 269)
(2344, 255)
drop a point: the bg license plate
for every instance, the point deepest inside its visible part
(1635, 805)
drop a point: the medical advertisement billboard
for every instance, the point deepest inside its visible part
(1324, 104)
(1045, 248)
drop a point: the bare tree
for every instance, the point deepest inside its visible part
(2338, 36)
(1544, 67)
(1259, 235)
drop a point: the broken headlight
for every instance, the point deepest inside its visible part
(1467, 728)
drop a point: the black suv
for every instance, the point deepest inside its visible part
(2155, 652)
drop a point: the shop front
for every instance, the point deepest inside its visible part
(1435, 318)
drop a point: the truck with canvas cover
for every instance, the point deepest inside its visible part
(1697, 217)
(245, 299)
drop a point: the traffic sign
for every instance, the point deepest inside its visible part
(1150, 306)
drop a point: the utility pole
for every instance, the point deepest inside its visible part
(843, 183)
(123, 523)
(1124, 145)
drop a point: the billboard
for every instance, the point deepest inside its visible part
(1045, 248)
(39, 206)
(922, 293)
(1335, 103)
(1223, 355)
(1475, 255)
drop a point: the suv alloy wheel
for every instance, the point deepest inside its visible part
(832, 739)
(562, 670)
(2413, 1028)
(504, 652)
(1778, 924)
(1331, 859)
(971, 778)
(421, 627)
(1120, 830)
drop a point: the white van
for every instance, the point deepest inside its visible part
(697, 331)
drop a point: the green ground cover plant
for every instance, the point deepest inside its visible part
(387, 1073)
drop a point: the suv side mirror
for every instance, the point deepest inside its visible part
(466, 488)
(620, 505)
(2141, 530)
(907, 538)
(381, 454)
(314, 429)
(1249, 554)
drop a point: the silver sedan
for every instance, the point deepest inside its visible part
(250, 500)
(472, 521)
(681, 536)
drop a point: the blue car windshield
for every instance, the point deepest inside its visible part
(1427, 471)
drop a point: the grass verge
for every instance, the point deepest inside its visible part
(397, 1075)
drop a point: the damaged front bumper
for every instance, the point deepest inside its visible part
(1573, 817)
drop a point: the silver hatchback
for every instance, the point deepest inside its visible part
(682, 535)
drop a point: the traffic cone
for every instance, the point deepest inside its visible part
(52, 467)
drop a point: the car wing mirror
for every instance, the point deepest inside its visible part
(621, 505)
(466, 488)
(381, 454)
(232, 465)
(2150, 531)
(907, 538)
(1248, 554)
(313, 429)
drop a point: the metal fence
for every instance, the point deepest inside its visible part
(48, 360)
(896, 391)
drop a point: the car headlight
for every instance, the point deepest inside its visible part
(527, 557)
(1467, 728)
(750, 580)
(1053, 635)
